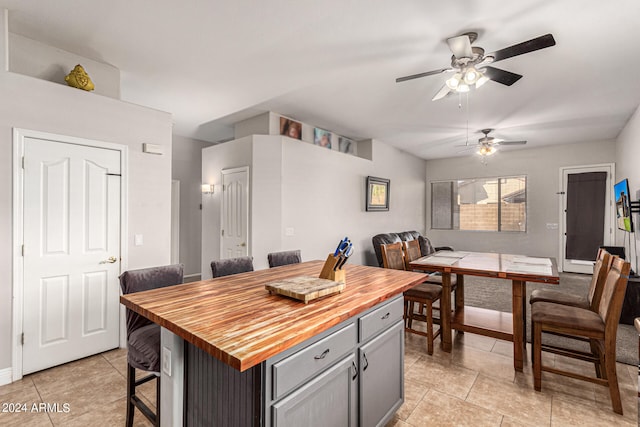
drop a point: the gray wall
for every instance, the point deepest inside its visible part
(628, 166)
(34, 104)
(186, 167)
(542, 168)
(319, 193)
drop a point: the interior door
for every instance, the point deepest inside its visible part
(71, 252)
(235, 213)
(595, 213)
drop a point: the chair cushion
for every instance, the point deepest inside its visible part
(572, 320)
(424, 291)
(558, 297)
(144, 348)
(437, 279)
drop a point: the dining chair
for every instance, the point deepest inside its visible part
(276, 259)
(592, 299)
(412, 252)
(599, 327)
(143, 336)
(229, 266)
(424, 294)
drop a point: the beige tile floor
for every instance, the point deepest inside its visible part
(473, 385)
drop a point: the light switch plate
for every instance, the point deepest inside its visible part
(138, 240)
(166, 361)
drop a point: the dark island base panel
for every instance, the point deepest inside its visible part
(219, 395)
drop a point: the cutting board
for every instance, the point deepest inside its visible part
(305, 288)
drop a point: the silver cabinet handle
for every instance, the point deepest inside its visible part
(385, 317)
(355, 371)
(366, 362)
(110, 260)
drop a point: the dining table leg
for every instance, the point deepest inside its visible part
(445, 313)
(519, 295)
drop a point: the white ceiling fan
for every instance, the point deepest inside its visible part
(486, 145)
(471, 65)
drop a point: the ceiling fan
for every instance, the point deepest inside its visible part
(471, 65)
(487, 144)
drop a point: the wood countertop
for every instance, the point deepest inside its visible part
(236, 320)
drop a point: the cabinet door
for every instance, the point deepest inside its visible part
(382, 376)
(328, 400)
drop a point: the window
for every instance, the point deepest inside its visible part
(482, 204)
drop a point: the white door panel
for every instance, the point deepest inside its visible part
(579, 266)
(235, 213)
(71, 229)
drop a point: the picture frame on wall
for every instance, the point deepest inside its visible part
(346, 145)
(290, 128)
(322, 138)
(377, 199)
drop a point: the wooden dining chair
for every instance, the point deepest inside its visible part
(412, 252)
(424, 294)
(599, 327)
(592, 299)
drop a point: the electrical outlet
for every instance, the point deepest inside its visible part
(166, 361)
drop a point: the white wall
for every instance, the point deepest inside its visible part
(316, 192)
(628, 166)
(214, 160)
(34, 104)
(186, 167)
(541, 166)
(35, 59)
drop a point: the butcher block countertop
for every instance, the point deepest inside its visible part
(237, 321)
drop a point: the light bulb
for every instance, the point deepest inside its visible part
(486, 150)
(470, 75)
(454, 81)
(462, 88)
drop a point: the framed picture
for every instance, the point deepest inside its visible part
(377, 194)
(290, 128)
(346, 145)
(322, 137)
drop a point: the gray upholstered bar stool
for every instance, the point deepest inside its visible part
(143, 336)
(229, 266)
(276, 259)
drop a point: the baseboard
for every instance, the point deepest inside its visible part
(192, 277)
(6, 376)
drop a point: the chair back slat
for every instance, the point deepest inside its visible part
(612, 298)
(411, 252)
(600, 272)
(393, 256)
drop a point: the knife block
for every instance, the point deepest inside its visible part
(328, 271)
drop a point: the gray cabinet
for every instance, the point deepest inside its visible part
(351, 375)
(330, 399)
(381, 376)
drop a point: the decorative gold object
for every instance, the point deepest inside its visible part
(79, 78)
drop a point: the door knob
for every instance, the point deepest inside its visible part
(243, 244)
(110, 260)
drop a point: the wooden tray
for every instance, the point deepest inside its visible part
(305, 288)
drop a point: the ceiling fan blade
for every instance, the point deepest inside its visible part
(417, 76)
(510, 143)
(525, 47)
(444, 91)
(507, 78)
(460, 46)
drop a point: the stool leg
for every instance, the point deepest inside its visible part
(536, 337)
(410, 318)
(131, 390)
(429, 306)
(612, 378)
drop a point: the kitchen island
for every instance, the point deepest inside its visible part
(232, 354)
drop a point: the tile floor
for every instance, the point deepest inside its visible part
(474, 385)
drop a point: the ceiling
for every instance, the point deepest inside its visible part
(333, 64)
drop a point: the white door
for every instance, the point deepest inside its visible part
(71, 252)
(580, 266)
(235, 213)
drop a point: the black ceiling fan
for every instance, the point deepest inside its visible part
(471, 64)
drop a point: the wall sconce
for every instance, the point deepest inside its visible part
(207, 189)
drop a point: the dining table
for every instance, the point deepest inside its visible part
(519, 269)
